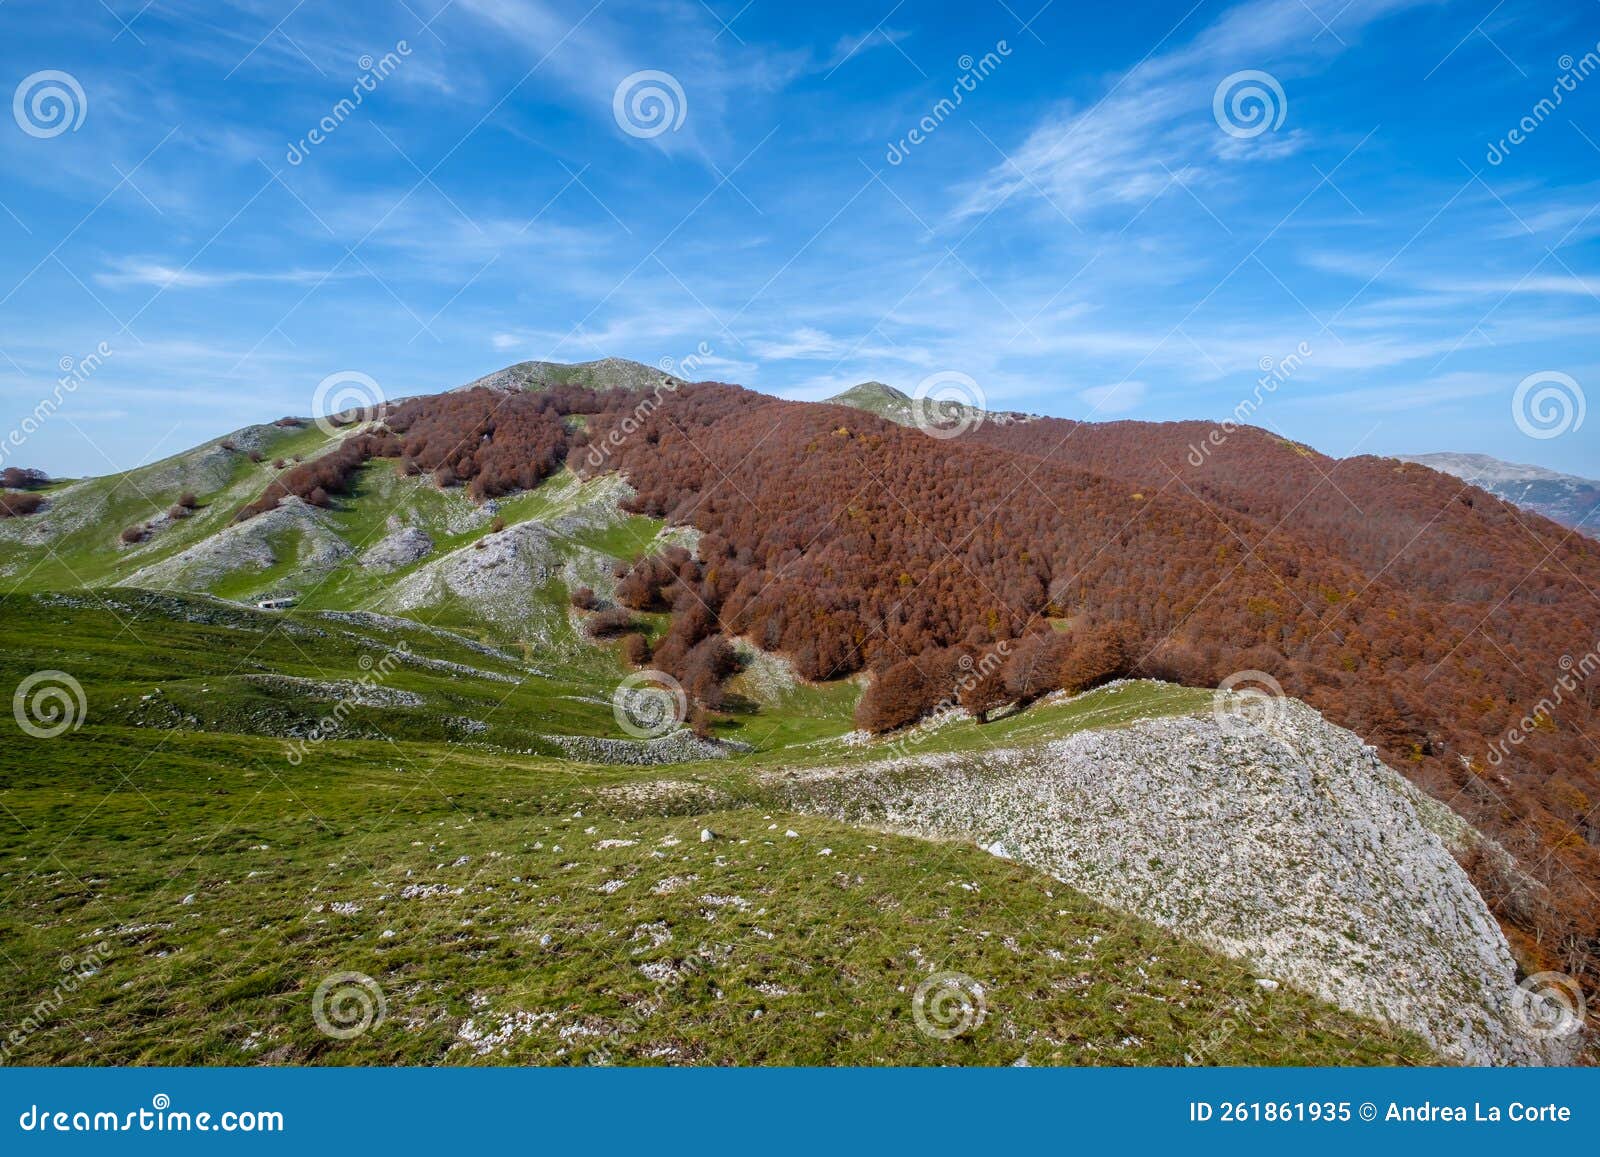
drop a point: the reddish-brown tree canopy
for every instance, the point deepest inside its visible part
(1419, 611)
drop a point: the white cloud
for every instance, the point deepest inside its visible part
(802, 343)
(1155, 124)
(155, 273)
(586, 52)
(1116, 398)
(849, 46)
(1432, 395)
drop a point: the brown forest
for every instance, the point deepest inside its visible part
(1420, 612)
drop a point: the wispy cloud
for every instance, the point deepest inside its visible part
(151, 273)
(802, 343)
(585, 51)
(1154, 127)
(852, 45)
(1116, 398)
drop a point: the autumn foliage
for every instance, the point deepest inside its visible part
(1417, 610)
(17, 505)
(19, 478)
(22, 478)
(1422, 613)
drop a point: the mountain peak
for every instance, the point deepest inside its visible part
(877, 398)
(601, 374)
(870, 392)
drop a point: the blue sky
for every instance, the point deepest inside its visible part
(1082, 235)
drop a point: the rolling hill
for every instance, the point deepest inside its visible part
(508, 553)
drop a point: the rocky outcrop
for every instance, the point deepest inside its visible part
(290, 531)
(604, 374)
(499, 575)
(1288, 844)
(506, 576)
(398, 549)
(681, 746)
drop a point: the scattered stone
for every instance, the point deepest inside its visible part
(1286, 844)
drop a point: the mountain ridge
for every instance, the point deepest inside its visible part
(1368, 598)
(1569, 499)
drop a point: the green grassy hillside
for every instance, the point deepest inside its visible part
(381, 781)
(516, 907)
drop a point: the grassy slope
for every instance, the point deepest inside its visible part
(783, 954)
(96, 509)
(179, 785)
(105, 831)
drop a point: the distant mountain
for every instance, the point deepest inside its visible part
(1564, 498)
(900, 408)
(603, 374)
(877, 398)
